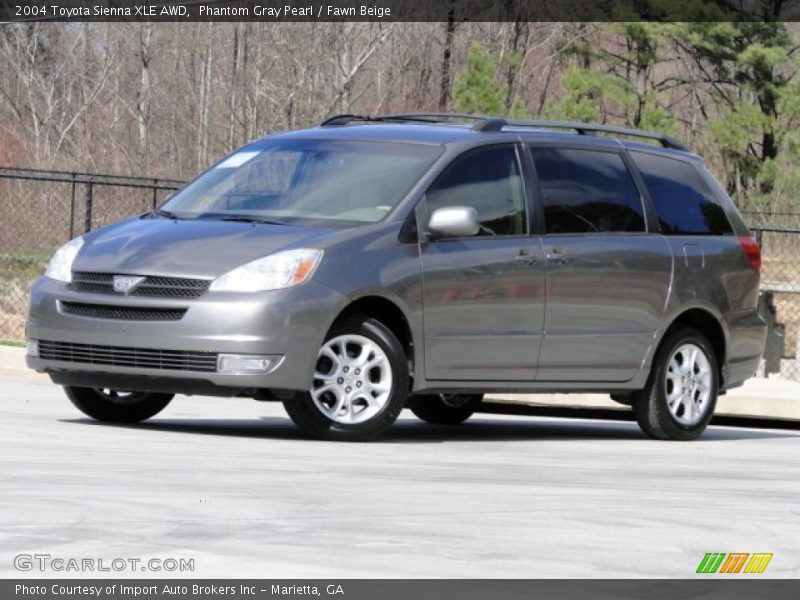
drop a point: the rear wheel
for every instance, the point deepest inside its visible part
(360, 383)
(681, 394)
(444, 409)
(115, 406)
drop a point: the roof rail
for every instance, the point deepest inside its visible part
(490, 124)
(343, 120)
(401, 118)
(433, 117)
(487, 124)
(590, 129)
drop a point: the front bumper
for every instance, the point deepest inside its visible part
(290, 323)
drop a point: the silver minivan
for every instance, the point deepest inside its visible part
(420, 261)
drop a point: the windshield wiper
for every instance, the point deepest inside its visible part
(244, 219)
(165, 213)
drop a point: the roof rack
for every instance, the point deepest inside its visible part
(339, 120)
(343, 120)
(590, 129)
(493, 124)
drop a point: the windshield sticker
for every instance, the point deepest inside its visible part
(237, 160)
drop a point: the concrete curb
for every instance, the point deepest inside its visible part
(12, 365)
(764, 398)
(770, 398)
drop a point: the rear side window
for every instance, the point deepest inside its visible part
(585, 191)
(489, 181)
(684, 204)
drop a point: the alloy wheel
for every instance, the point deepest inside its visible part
(688, 384)
(352, 379)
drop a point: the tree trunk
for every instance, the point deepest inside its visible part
(232, 95)
(449, 32)
(512, 70)
(143, 98)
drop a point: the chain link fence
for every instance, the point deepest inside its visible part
(780, 298)
(778, 235)
(40, 210)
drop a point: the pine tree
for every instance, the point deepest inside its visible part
(476, 89)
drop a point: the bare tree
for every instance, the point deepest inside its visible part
(166, 99)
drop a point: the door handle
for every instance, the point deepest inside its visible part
(558, 256)
(526, 257)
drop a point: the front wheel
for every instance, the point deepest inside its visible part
(681, 393)
(116, 406)
(444, 409)
(360, 383)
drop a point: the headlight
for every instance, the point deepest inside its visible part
(273, 272)
(60, 266)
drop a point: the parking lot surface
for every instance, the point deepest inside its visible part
(232, 485)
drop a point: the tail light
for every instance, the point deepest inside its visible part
(752, 251)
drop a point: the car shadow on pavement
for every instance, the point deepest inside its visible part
(479, 429)
(407, 430)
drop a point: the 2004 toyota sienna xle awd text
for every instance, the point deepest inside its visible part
(373, 263)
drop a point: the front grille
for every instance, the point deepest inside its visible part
(154, 286)
(144, 358)
(130, 313)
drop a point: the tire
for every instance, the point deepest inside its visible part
(347, 402)
(444, 409)
(662, 409)
(117, 407)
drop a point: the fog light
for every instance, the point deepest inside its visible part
(32, 348)
(247, 363)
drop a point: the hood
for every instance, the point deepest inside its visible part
(202, 249)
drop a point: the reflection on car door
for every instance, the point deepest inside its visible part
(483, 296)
(607, 278)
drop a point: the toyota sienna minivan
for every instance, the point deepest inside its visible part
(422, 261)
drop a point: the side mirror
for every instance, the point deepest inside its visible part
(454, 221)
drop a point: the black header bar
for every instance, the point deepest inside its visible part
(277, 11)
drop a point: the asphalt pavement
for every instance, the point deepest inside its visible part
(230, 484)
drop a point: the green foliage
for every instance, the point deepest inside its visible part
(600, 97)
(13, 343)
(654, 117)
(518, 110)
(476, 90)
(751, 72)
(742, 72)
(23, 265)
(775, 181)
(513, 59)
(740, 77)
(733, 132)
(591, 95)
(614, 83)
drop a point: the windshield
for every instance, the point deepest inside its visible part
(331, 182)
